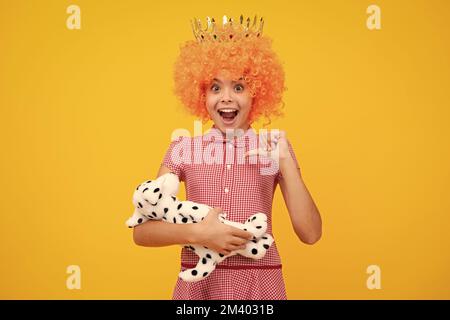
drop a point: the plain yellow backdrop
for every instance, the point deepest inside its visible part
(86, 115)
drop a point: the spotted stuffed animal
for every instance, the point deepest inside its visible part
(156, 200)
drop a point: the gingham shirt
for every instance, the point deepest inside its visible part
(216, 174)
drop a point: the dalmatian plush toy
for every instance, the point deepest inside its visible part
(156, 200)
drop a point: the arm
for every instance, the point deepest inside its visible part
(305, 216)
(210, 232)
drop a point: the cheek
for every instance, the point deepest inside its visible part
(246, 102)
(210, 102)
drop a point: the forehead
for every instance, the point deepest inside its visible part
(226, 79)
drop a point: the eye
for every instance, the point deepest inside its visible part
(239, 88)
(215, 88)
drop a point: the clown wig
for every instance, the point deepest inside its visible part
(252, 59)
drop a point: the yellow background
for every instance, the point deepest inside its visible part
(86, 115)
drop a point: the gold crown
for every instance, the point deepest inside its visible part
(228, 30)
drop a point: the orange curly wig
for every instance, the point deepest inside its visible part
(249, 58)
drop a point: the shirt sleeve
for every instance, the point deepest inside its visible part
(291, 150)
(173, 159)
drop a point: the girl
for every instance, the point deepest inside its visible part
(231, 76)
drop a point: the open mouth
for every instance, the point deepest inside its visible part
(228, 115)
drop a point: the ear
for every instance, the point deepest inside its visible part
(170, 184)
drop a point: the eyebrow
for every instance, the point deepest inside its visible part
(215, 79)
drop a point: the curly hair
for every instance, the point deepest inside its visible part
(252, 59)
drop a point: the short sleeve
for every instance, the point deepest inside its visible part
(291, 150)
(173, 159)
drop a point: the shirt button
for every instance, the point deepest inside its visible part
(226, 190)
(228, 166)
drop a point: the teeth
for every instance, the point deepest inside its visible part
(227, 110)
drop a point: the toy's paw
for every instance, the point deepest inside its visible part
(145, 199)
(256, 249)
(199, 272)
(257, 224)
(135, 219)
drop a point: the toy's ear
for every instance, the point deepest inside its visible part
(170, 183)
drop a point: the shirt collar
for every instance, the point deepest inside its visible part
(216, 135)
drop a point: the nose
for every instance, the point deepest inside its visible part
(226, 98)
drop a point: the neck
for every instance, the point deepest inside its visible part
(237, 132)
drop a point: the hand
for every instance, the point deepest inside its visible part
(272, 144)
(220, 237)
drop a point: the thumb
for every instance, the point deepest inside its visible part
(254, 152)
(216, 211)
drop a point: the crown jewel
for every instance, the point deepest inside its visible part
(228, 30)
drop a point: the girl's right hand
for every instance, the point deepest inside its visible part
(218, 236)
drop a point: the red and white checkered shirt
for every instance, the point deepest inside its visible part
(216, 173)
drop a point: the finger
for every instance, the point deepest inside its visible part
(232, 247)
(263, 140)
(269, 140)
(224, 252)
(217, 210)
(239, 241)
(242, 234)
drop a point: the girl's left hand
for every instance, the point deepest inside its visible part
(272, 144)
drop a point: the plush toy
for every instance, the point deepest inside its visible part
(156, 200)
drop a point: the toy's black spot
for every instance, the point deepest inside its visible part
(194, 272)
(245, 229)
(266, 246)
(192, 248)
(203, 218)
(130, 227)
(144, 190)
(195, 207)
(156, 190)
(253, 218)
(149, 181)
(184, 220)
(258, 227)
(194, 221)
(205, 274)
(265, 238)
(254, 251)
(160, 195)
(204, 260)
(140, 205)
(179, 206)
(154, 214)
(221, 255)
(205, 248)
(174, 220)
(140, 220)
(173, 198)
(166, 209)
(208, 256)
(164, 218)
(254, 241)
(138, 187)
(191, 217)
